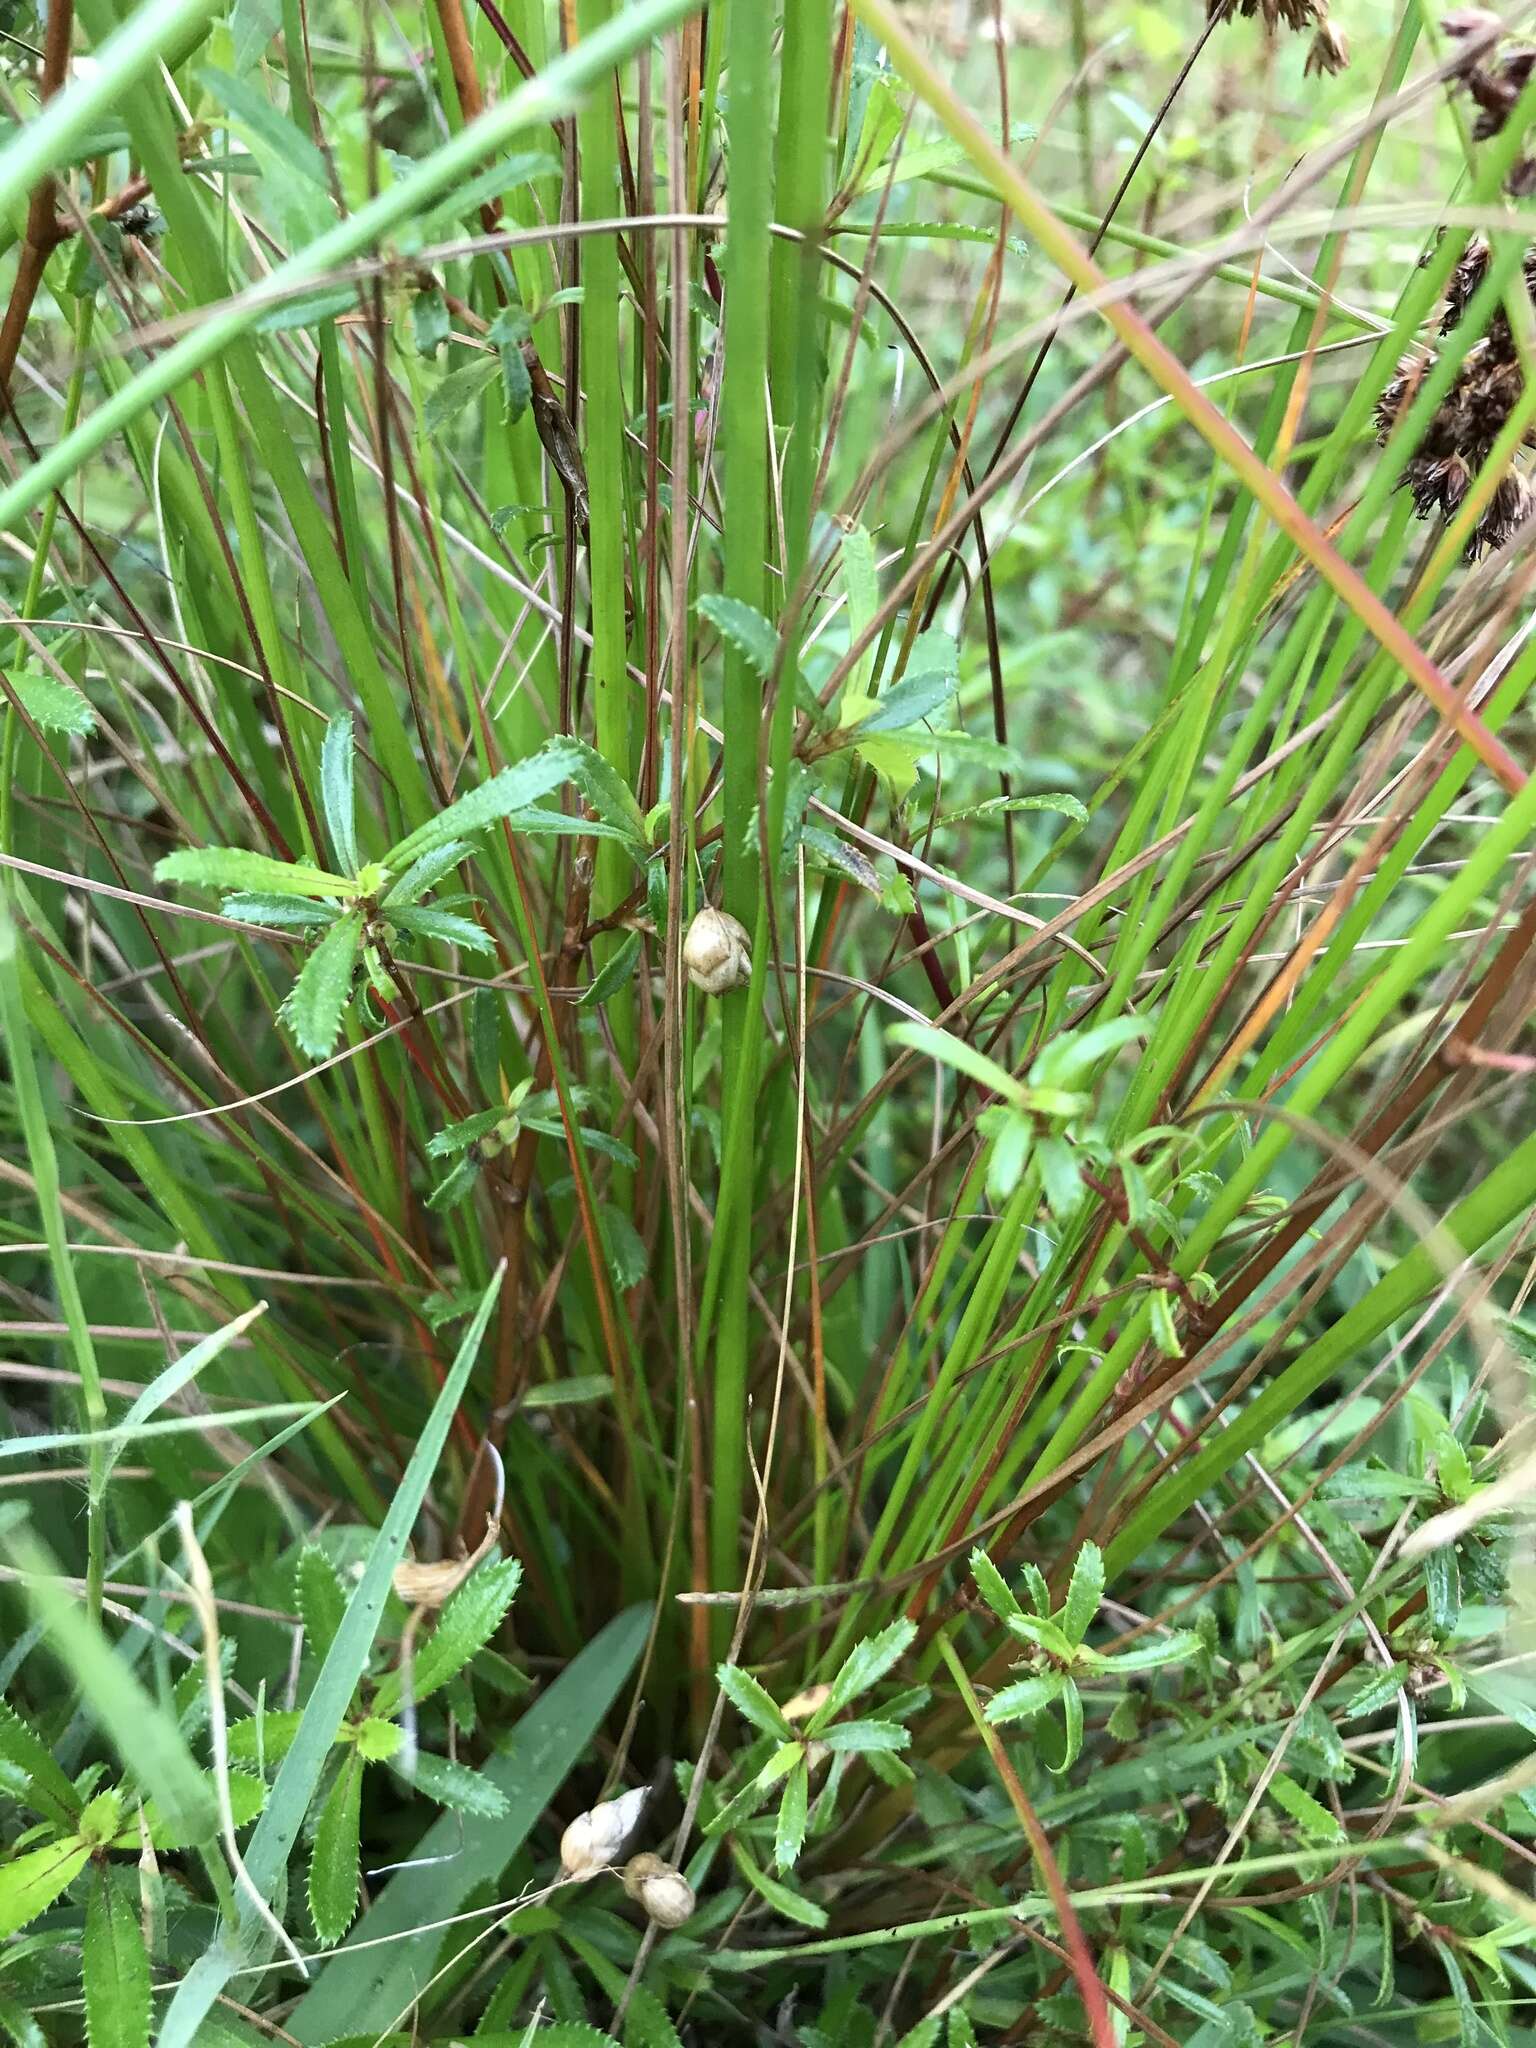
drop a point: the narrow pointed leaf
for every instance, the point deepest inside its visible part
(512, 790)
(278, 913)
(1083, 1594)
(992, 1586)
(114, 1967)
(865, 1735)
(426, 872)
(867, 1663)
(321, 1601)
(315, 1004)
(446, 927)
(1024, 1699)
(232, 867)
(789, 1835)
(29, 1884)
(29, 1771)
(333, 1874)
(468, 1621)
(336, 793)
(750, 1700)
(456, 1786)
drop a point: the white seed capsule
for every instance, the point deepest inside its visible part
(662, 1890)
(717, 952)
(593, 1840)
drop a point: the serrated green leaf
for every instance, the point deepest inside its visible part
(426, 872)
(467, 1623)
(114, 1967)
(572, 1393)
(333, 1872)
(319, 1598)
(233, 867)
(614, 974)
(336, 791)
(646, 2022)
(1083, 1594)
(1024, 1699)
(29, 1884)
(265, 1739)
(99, 1821)
(782, 1897)
(1452, 1469)
(628, 1259)
(454, 1186)
(314, 1006)
(514, 789)
(376, 1741)
(1070, 1058)
(247, 1795)
(431, 324)
(469, 1130)
(751, 1701)
(449, 929)
(992, 1586)
(914, 699)
(1309, 1814)
(753, 636)
(460, 388)
(607, 792)
(55, 706)
(789, 1834)
(281, 913)
(456, 1786)
(863, 1736)
(1380, 1689)
(1442, 1586)
(1175, 1648)
(48, 1788)
(828, 852)
(866, 1664)
(1069, 806)
(1072, 1724)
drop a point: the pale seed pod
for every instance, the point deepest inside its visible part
(660, 1888)
(593, 1840)
(717, 952)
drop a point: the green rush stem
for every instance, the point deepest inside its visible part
(722, 1338)
(603, 413)
(85, 313)
(45, 1176)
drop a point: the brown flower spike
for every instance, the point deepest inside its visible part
(1489, 381)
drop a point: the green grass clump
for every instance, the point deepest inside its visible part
(765, 942)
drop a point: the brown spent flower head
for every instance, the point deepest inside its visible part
(660, 1888)
(1328, 51)
(430, 1585)
(1511, 505)
(1472, 416)
(1329, 48)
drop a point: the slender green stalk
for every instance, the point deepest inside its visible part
(43, 1162)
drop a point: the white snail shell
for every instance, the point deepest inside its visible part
(717, 952)
(593, 1840)
(662, 1890)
